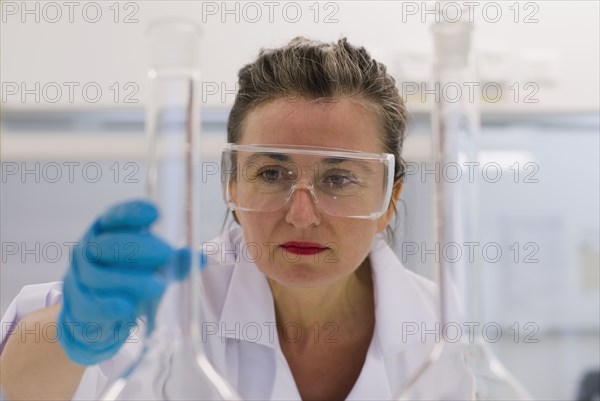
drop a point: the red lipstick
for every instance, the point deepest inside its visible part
(303, 248)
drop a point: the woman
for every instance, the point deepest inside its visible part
(316, 130)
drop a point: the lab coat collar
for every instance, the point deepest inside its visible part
(248, 312)
(402, 300)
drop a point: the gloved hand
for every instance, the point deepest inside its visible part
(118, 272)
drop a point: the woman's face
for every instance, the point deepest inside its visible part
(285, 244)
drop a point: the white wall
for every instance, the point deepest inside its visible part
(559, 52)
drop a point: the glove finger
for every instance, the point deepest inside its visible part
(81, 354)
(180, 268)
(129, 215)
(90, 343)
(91, 318)
(183, 264)
(130, 281)
(135, 249)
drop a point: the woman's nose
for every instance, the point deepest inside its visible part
(302, 210)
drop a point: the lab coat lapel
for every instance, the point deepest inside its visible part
(400, 303)
(248, 313)
(373, 381)
(249, 309)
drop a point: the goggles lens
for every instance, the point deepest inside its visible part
(263, 178)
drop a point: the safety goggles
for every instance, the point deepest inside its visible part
(344, 183)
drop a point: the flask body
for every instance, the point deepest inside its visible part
(457, 348)
(172, 364)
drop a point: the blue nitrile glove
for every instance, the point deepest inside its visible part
(118, 272)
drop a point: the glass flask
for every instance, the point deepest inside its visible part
(455, 122)
(172, 364)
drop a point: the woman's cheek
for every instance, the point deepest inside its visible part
(255, 227)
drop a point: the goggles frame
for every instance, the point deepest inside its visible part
(387, 159)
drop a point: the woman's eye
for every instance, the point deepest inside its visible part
(272, 174)
(338, 180)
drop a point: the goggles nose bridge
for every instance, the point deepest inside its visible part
(302, 185)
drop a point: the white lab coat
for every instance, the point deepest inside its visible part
(240, 339)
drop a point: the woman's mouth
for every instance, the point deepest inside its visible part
(303, 248)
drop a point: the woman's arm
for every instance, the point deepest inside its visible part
(33, 365)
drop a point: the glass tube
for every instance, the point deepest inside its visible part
(172, 365)
(455, 123)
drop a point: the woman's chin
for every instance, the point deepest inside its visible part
(302, 276)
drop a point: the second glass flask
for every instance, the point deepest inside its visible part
(455, 123)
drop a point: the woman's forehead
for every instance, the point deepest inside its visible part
(337, 123)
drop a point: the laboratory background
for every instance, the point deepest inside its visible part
(74, 87)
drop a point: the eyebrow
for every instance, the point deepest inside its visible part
(333, 160)
(276, 156)
(336, 160)
(328, 160)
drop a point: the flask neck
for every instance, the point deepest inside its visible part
(173, 185)
(455, 123)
